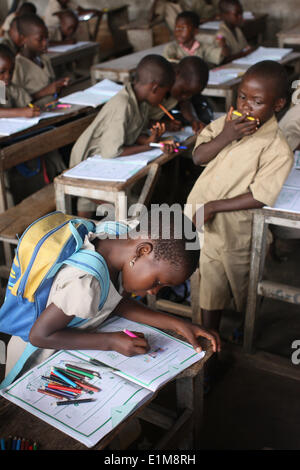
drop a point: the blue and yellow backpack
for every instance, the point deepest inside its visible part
(46, 245)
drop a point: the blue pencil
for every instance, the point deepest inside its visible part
(18, 445)
(61, 376)
(14, 443)
(2, 444)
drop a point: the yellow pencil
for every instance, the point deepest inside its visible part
(166, 112)
(240, 114)
(30, 105)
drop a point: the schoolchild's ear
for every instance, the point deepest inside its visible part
(154, 87)
(144, 249)
(279, 104)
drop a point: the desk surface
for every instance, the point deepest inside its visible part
(58, 58)
(15, 421)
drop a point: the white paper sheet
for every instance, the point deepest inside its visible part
(289, 196)
(142, 157)
(95, 95)
(263, 53)
(69, 47)
(218, 76)
(180, 136)
(98, 169)
(9, 126)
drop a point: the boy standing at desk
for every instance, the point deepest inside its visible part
(230, 34)
(246, 163)
(119, 128)
(186, 44)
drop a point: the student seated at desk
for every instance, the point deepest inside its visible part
(33, 69)
(27, 8)
(120, 127)
(54, 6)
(65, 32)
(17, 99)
(191, 76)
(186, 45)
(207, 10)
(12, 37)
(153, 254)
(246, 163)
(230, 35)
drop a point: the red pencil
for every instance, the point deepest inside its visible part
(62, 387)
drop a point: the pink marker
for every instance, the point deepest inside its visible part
(129, 333)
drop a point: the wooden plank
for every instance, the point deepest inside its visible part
(176, 432)
(278, 291)
(173, 307)
(158, 415)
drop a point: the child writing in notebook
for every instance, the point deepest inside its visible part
(33, 70)
(246, 163)
(230, 35)
(17, 99)
(120, 128)
(191, 76)
(186, 44)
(152, 255)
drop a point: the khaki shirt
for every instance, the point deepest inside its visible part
(205, 10)
(211, 53)
(6, 40)
(235, 42)
(32, 77)
(16, 97)
(119, 123)
(259, 163)
(6, 24)
(290, 126)
(156, 113)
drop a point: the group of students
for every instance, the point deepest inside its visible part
(246, 162)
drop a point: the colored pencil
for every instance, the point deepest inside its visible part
(166, 112)
(81, 370)
(51, 394)
(75, 402)
(89, 387)
(61, 376)
(2, 441)
(129, 333)
(65, 389)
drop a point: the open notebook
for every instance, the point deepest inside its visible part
(9, 126)
(94, 95)
(223, 75)
(263, 53)
(125, 383)
(70, 47)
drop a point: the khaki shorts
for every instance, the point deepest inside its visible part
(224, 276)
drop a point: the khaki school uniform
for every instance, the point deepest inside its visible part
(290, 126)
(6, 24)
(118, 124)
(167, 11)
(75, 293)
(6, 40)
(210, 53)
(235, 42)
(16, 97)
(259, 164)
(32, 77)
(53, 6)
(205, 10)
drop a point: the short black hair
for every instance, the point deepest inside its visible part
(274, 73)
(193, 69)
(6, 52)
(224, 5)
(190, 17)
(26, 22)
(155, 68)
(27, 8)
(174, 236)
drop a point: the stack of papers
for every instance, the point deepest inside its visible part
(94, 95)
(264, 53)
(125, 383)
(289, 196)
(69, 47)
(223, 75)
(9, 126)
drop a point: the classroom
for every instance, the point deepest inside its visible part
(150, 228)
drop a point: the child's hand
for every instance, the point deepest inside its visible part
(29, 112)
(56, 86)
(157, 131)
(127, 345)
(197, 126)
(238, 128)
(203, 214)
(191, 332)
(173, 126)
(169, 146)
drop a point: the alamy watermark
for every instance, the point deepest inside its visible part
(2, 93)
(296, 94)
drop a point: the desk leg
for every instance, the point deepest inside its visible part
(121, 206)
(256, 271)
(189, 392)
(63, 201)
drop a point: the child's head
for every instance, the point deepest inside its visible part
(158, 253)
(68, 23)
(154, 77)
(27, 8)
(191, 78)
(14, 33)
(7, 62)
(263, 90)
(34, 34)
(186, 27)
(231, 12)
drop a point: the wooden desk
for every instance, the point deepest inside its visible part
(123, 68)
(258, 286)
(290, 37)
(183, 425)
(112, 191)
